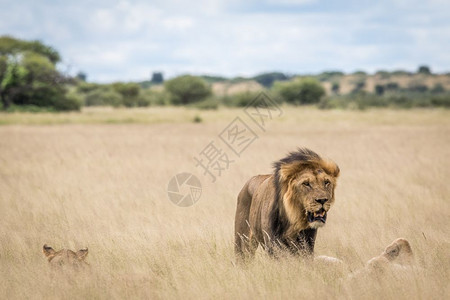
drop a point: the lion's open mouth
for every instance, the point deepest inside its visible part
(320, 215)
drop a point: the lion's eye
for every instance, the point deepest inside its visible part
(327, 182)
(306, 183)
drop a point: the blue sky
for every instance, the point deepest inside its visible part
(128, 40)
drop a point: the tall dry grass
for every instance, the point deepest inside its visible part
(104, 187)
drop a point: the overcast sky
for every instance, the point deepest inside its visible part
(128, 40)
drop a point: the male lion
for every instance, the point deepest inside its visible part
(283, 210)
(66, 257)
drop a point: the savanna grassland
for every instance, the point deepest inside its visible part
(98, 179)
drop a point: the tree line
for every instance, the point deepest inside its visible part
(29, 80)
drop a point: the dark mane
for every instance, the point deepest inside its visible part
(278, 223)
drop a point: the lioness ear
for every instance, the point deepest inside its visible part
(48, 251)
(81, 254)
(392, 251)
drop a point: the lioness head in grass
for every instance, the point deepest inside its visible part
(307, 183)
(399, 252)
(65, 257)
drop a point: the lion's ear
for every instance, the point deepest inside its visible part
(288, 170)
(82, 253)
(48, 251)
(337, 171)
(331, 168)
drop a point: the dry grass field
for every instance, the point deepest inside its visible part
(98, 179)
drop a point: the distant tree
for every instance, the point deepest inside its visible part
(438, 88)
(28, 76)
(379, 89)
(13, 46)
(401, 73)
(157, 78)
(383, 74)
(129, 92)
(241, 99)
(267, 79)
(12, 78)
(213, 79)
(360, 73)
(81, 76)
(417, 87)
(335, 87)
(329, 75)
(424, 70)
(303, 91)
(86, 87)
(187, 89)
(391, 86)
(103, 96)
(359, 85)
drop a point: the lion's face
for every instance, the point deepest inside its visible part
(315, 192)
(306, 183)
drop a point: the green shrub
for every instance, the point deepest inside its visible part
(130, 101)
(335, 87)
(187, 89)
(379, 89)
(149, 97)
(102, 97)
(197, 119)
(330, 75)
(383, 74)
(400, 101)
(86, 87)
(210, 103)
(331, 103)
(30, 109)
(360, 73)
(359, 85)
(240, 99)
(417, 88)
(129, 91)
(441, 101)
(438, 88)
(369, 100)
(69, 102)
(391, 86)
(300, 91)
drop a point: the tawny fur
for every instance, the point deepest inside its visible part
(272, 210)
(397, 258)
(398, 253)
(65, 257)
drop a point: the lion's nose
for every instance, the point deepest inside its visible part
(321, 201)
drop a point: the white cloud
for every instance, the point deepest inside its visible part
(178, 23)
(291, 2)
(126, 40)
